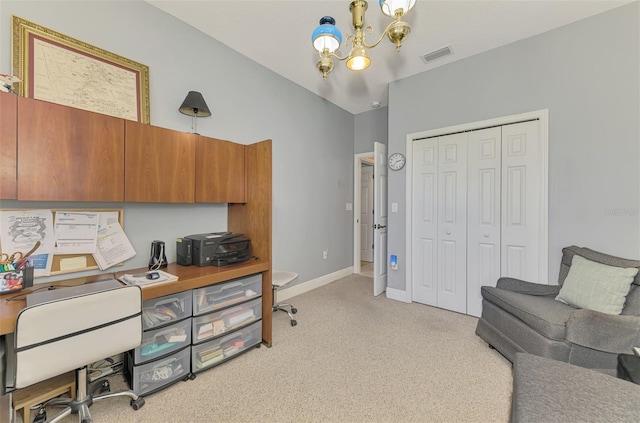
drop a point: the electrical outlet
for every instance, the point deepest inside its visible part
(325, 254)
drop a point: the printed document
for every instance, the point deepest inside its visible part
(21, 229)
(113, 246)
(76, 232)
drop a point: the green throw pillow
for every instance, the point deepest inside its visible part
(596, 286)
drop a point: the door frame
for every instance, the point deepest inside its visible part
(543, 248)
(358, 159)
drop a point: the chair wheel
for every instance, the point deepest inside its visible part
(294, 310)
(192, 376)
(293, 323)
(137, 404)
(105, 387)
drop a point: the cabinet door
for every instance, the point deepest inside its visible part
(159, 165)
(67, 154)
(220, 171)
(8, 146)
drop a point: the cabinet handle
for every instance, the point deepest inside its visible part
(448, 232)
(486, 235)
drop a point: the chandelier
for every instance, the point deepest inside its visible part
(327, 37)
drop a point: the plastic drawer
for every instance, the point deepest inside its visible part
(222, 295)
(162, 341)
(216, 351)
(220, 322)
(158, 374)
(164, 310)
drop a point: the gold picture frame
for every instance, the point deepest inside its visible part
(77, 74)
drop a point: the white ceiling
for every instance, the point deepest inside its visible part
(277, 34)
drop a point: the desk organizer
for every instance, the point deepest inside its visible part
(166, 310)
(227, 320)
(222, 295)
(16, 280)
(217, 351)
(162, 341)
(157, 374)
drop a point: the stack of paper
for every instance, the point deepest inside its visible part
(141, 278)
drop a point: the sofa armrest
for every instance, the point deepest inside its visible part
(529, 288)
(603, 332)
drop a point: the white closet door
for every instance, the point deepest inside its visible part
(483, 220)
(452, 222)
(520, 195)
(424, 257)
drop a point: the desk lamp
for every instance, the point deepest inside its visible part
(195, 106)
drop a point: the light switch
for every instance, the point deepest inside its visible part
(394, 207)
(349, 206)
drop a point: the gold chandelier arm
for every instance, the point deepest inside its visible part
(386, 30)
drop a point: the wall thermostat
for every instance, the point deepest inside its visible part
(396, 161)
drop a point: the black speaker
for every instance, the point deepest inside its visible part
(184, 251)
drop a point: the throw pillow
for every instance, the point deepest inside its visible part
(596, 286)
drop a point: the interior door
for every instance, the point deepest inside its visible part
(483, 217)
(520, 194)
(452, 222)
(380, 219)
(424, 221)
(366, 213)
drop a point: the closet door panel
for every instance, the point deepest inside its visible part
(424, 222)
(520, 193)
(452, 222)
(483, 220)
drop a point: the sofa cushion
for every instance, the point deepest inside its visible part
(596, 286)
(543, 314)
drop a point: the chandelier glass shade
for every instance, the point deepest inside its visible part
(327, 38)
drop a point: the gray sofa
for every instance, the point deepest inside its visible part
(546, 390)
(519, 316)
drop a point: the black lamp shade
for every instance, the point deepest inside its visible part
(194, 105)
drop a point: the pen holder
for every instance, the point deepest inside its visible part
(15, 280)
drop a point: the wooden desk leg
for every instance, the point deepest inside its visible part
(24, 399)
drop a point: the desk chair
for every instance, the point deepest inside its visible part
(57, 336)
(280, 279)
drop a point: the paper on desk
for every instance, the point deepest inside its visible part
(113, 246)
(21, 229)
(76, 232)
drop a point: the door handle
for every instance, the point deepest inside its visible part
(378, 226)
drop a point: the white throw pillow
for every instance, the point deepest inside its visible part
(596, 286)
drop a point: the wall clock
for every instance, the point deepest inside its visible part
(396, 161)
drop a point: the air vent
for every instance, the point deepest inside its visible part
(430, 57)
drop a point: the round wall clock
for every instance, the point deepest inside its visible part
(396, 161)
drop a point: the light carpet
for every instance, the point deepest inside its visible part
(352, 358)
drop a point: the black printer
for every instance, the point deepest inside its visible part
(218, 248)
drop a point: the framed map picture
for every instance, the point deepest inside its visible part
(59, 69)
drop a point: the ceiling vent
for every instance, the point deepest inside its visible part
(434, 55)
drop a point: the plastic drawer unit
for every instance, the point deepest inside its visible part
(216, 351)
(159, 342)
(166, 310)
(158, 374)
(222, 295)
(220, 322)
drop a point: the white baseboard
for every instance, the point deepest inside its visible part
(301, 288)
(396, 294)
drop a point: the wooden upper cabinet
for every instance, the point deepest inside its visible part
(67, 154)
(159, 164)
(220, 171)
(8, 144)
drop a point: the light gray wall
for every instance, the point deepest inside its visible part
(312, 169)
(370, 127)
(587, 74)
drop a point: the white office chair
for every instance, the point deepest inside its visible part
(57, 336)
(280, 279)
